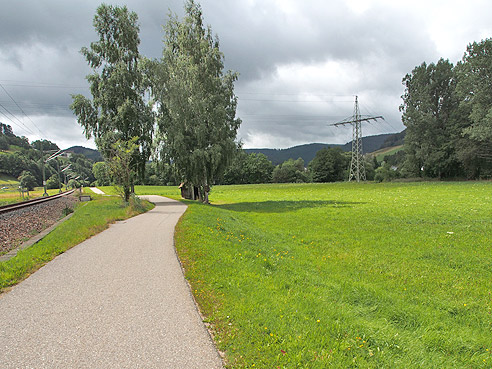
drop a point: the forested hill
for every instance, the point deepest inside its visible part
(89, 153)
(308, 151)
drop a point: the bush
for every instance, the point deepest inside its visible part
(52, 182)
(27, 180)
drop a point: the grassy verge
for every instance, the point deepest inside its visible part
(89, 219)
(345, 275)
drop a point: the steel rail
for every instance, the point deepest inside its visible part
(39, 200)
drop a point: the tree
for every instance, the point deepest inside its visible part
(117, 110)
(53, 182)
(386, 172)
(4, 142)
(329, 165)
(249, 168)
(100, 171)
(27, 180)
(474, 88)
(429, 113)
(45, 145)
(197, 105)
(120, 166)
(290, 171)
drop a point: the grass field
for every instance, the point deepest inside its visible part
(168, 191)
(88, 219)
(344, 275)
(9, 190)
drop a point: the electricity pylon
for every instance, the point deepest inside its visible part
(357, 167)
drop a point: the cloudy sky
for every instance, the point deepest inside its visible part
(300, 62)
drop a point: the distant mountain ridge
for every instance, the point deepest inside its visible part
(89, 153)
(308, 151)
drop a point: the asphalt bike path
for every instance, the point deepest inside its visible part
(117, 300)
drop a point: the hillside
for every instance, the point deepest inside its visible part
(308, 151)
(89, 153)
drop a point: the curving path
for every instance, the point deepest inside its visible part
(117, 300)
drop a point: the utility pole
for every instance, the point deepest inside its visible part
(43, 168)
(357, 167)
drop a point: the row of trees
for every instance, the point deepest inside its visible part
(328, 165)
(447, 110)
(180, 109)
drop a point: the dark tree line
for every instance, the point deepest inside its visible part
(447, 110)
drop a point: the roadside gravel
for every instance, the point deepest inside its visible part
(19, 225)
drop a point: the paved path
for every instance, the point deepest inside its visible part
(118, 300)
(97, 190)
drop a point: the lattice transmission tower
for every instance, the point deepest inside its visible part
(357, 167)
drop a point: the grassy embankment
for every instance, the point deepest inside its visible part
(88, 219)
(381, 153)
(345, 275)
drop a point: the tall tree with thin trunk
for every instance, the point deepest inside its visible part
(197, 106)
(118, 110)
(429, 109)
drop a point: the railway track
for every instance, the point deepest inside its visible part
(23, 204)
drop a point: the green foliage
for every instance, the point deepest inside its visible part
(53, 182)
(4, 142)
(73, 183)
(290, 171)
(448, 114)
(344, 275)
(117, 110)
(329, 165)
(160, 173)
(101, 173)
(27, 180)
(429, 103)
(248, 169)
(475, 89)
(120, 166)
(197, 105)
(45, 145)
(385, 173)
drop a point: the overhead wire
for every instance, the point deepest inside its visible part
(15, 117)
(20, 108)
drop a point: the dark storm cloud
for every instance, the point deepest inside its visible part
(313, 56)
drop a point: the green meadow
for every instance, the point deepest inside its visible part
(344, 275)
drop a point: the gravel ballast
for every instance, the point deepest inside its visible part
(19, 225)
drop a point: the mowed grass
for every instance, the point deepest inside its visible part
(172, 192)
(88, 219)
(344, 275)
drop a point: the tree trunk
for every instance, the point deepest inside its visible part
(206, 190)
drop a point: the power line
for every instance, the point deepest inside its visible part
(8, 111)
(35, 84)
(15, 102)
(294, 101)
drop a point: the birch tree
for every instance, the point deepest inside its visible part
(197, 122)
